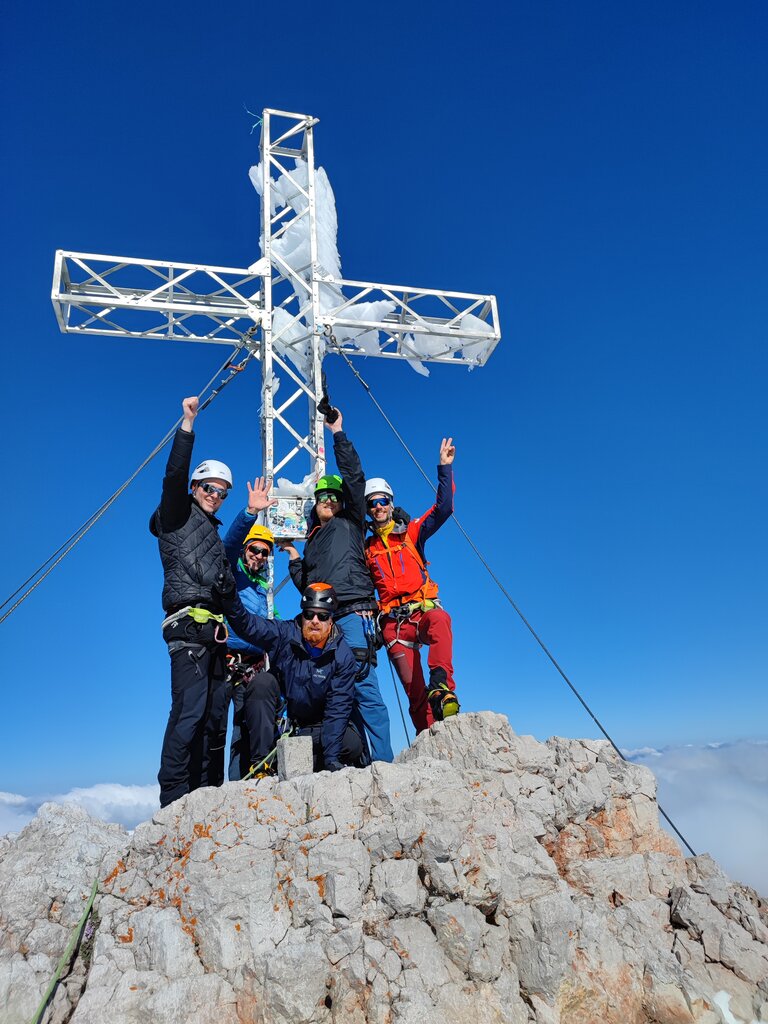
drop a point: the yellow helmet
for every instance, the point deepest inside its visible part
(259, 532)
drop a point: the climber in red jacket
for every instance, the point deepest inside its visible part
(411, 613)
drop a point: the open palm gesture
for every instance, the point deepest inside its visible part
(258, 495)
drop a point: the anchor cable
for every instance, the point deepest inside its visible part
(63, 550)
(497, 581)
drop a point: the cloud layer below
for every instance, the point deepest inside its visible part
(110, 801)
(717, 795)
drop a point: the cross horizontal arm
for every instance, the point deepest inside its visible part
(125, 296)
(417, 323)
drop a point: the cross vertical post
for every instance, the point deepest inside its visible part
(293, 294)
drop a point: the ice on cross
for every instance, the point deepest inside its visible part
(290, 308)
(289, 189)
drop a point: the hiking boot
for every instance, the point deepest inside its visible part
(442, 699)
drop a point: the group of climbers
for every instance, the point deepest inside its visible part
(315, 673)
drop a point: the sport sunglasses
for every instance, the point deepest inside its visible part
(378, 502)
(221, 492)
(254, 549)
(311, 613)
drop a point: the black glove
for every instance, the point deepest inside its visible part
(334, 766)
(400, 515)
(224, 587)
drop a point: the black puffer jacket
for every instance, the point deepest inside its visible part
(191, 550)
(335, 553)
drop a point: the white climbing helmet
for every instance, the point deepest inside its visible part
(210, 469)
(378, 485)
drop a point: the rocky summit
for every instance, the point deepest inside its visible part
(483, 877)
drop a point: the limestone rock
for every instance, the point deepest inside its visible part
(482, 877)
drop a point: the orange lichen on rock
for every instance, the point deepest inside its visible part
(609, 833)
(128, 937)
(116, 870)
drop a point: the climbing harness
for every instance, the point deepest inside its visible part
(328, 332)
(202, 616)
(240, 670)
(402, 613)
(63, 550)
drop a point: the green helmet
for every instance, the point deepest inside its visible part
(331, 482)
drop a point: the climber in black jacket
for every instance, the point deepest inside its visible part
(192, 554)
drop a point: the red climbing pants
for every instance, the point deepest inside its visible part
(434, 629)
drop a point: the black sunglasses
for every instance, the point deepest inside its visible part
(254, 550)
(213, 489)
(378, 502)
(311, 613)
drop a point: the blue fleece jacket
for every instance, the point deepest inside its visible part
(252, 590)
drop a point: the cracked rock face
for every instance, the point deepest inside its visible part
(483, 877)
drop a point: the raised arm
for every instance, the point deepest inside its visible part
(174, 503)
(421, 529)
(263, 633)
(351, 470)
(258, 500)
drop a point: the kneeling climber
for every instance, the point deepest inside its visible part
(311, 666)
(410, 612)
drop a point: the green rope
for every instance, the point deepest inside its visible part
(267, 759)
(66, 955)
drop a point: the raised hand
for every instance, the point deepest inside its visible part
(337, 424)
(289, 549)
(447, 451)
(189, 408)
(258, 495)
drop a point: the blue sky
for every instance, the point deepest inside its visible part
(600, 168)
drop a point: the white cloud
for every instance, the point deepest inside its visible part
(717, 795)
(110, 801)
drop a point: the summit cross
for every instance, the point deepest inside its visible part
(290, 308)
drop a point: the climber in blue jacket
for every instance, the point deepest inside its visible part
(248, 546)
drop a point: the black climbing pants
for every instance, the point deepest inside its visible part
(351, 746)
(192, 755)
(262, 699)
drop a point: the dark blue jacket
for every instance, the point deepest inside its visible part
(317, 690)
(253, 591)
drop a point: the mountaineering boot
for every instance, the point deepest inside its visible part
(442, 700)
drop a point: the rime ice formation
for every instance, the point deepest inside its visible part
(483, 877)
(292, 247)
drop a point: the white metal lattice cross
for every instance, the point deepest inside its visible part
(294, 294)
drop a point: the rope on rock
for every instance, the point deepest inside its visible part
(497, 581)
(63, 550)
(66, 955)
